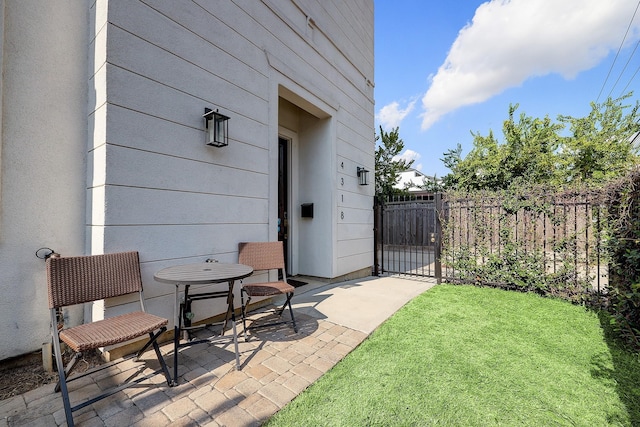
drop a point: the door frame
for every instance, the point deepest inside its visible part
(293, 213)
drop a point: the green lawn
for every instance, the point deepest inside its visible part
(468, 356)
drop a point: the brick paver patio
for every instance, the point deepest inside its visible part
(277, 364)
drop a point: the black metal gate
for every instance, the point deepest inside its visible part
(564, 238)
(408, 236)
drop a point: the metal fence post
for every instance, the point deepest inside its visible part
(438, 243)
(377, 214)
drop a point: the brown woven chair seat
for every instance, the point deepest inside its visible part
(111, 331)
(268, 289)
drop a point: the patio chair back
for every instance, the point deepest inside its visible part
(80, 279)
(262, 255)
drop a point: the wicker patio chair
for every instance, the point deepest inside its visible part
(82, 279)
(264, 256)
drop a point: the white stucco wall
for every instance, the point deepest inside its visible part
(42, 174)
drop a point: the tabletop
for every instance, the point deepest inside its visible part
(203, 273)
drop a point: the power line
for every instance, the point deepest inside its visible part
(617, 53)
(630, 80)
(623, 69)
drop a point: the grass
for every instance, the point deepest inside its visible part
(468, 356)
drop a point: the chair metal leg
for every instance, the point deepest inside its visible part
(152, 338)
(63, 375)
(278, 311)
(70, 367)
(293, 320)
(62, 381)
(244, 313)
(286, 304)
(163, 364)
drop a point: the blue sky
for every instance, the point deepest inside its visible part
(444, 68)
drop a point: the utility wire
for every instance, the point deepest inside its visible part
(630, 80)
(617, 53)
(623, 69)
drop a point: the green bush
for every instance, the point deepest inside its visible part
(505, 249)
(492, 239)
(623, 299)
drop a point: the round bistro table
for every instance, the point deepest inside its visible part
(201, 274)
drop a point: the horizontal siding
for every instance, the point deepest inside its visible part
(354, 116)
(330, 68)
(357, 200)
(136, 168)
(361, 154)
(183, 243)
(129, 128)
(332, 34)
(185, 202)
(220, 71)
(168, 208)
(354, 247)
(355, 223)
(353, 21)
(344, 265)
(143, 94)
(165, 24)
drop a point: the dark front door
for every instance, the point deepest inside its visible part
(283, 195)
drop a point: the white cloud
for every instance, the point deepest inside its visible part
(509, 41)
(390, 116)
(409, 155)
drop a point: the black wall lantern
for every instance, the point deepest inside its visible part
(217, 128)
(363, 176)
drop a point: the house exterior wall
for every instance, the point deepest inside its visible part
(413, 180)
(42, 169)
(138, 174)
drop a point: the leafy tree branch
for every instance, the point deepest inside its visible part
(388, 165)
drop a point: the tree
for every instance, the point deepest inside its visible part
(388, 166)
(432, 184)
(599, 147)
(526, 155)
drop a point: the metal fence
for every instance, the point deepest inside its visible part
(557, 237)
(408, 236)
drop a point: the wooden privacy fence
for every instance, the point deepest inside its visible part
(410, 222)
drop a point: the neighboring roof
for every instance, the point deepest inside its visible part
(413, 179)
